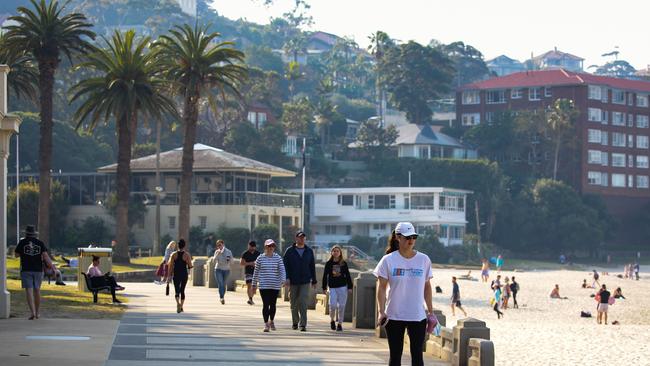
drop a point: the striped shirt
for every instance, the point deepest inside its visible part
(269, 272)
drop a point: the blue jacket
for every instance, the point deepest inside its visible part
(300, 270)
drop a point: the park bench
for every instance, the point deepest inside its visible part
(94, 289)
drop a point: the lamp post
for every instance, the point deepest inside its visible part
(158, 189)
(8, 126)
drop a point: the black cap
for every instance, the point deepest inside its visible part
(300, 233)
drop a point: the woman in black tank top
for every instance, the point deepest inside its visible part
(179, 263)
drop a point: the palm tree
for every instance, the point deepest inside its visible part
(561, 120)
(126, 83)
(23, 77)
(45, 33)
(195, 65)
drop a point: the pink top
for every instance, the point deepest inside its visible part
(94, 271)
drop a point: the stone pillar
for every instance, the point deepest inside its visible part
(464, 330)
(210, 280)
(363, 301)
(236, 273)
(198, 271)
(8, 126)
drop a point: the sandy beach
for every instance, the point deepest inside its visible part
(546, 331)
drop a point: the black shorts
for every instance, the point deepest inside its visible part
(249, 278)
(457, 303)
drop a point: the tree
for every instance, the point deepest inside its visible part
(375, 141)
(23, 77)
(46, 33)
(467, 61)
(617, 69)
(297, 116)
(293, 74)
(413, 75)
(195, 66)
(126, 84)
(561, 118)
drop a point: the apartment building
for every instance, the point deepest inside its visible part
(612, 125)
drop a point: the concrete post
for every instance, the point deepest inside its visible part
(363, 301)
(464, 330)
(236, 273)
(198, 271)
(8, 126)
(210, 280)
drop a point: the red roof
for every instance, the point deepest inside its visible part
(526, 79)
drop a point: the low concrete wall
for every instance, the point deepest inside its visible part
(136, 276)
(481, 352)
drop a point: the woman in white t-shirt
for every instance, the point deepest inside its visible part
(406, 273)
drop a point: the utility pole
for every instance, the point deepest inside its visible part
(478, 225)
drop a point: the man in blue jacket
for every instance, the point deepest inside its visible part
(301, 273)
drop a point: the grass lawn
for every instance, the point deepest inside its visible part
(65, 302)
(138, 264)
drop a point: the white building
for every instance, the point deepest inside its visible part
(338, 214)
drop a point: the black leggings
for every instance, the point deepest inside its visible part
(269, 298)
(179, 286)
(496, 308)
(514, 298)
(395, 334)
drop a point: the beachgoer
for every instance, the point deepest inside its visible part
(269, 276)
(300, 265)
(497, 301)
(555, 293)
(455, 298)
(596, 276)
(603, 304)
(164, 265)
(98, 279)
(485, 270)
(626, 271)
(247, 261)
(407, 272)
(636, 270)
(584, 283)
(499, 263)
(506, 293)
(336, 276)
(496, 283)
(514, 288)
(618, 293)
(33, 256)
(562, 259)
(179, 264)
(222, 257)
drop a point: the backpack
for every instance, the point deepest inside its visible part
(585, 314)
(438, 290)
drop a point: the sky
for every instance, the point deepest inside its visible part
(516, 28)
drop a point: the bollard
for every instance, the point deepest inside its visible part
(464, 330)
(210, 280)
(236, 274)
(481, 352)
(198, 272)
(363, 307)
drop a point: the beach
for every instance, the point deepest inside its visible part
(545, 331)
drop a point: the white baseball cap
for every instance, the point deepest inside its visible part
(269, 242)
(405, 229)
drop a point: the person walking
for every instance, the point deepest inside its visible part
(596, 276)
(455, 297)
(100, 279)
(336, 276)
(269, 275)
(247, 261)
(514, 288)
(497, 301)
(222, 258)
(636, 270)
(603, 304)
(407, 272)
(301, 273)
(162, 269)
(179, 264)
(499, 263)
(485, 270)
(33, 257)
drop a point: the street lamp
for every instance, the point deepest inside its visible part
(158, 189)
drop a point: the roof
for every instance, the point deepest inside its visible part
(555, 77)
(379, 190)
(503, 59)
(412, 134)
(555, 54)
(327, 38)
(206, 159)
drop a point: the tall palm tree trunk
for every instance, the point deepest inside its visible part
(121, 254)
(557, 158)
(46, 86)
(190, 117)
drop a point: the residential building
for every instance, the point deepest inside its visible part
(504, 65)
(259, 115)
(427, 142)
(335, 215)
(555, 59)
(613, 125)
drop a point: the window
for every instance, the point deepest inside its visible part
(379, 226)
(603, 158)
(330, 229)
(489, 117)
(456, 232)
(618, 139)
(630, 120)
(630, 160)
(603, 140)
(604, 179)
(641, 121)
(261, 119)
(471, 97)
(618, 180)
(618, 119)
(346, 200)
(597, 93)
(381, 201)
(203, 222)
(171, 220)
(595, 114)
(594, 157)
(594, 178)
(641, 142)
(630, 140)
(630, 99)
(618, 96)
(251, 117)
(516, 93)
(496, 96)
(630, 181)
(348, 229)
(642, 181)
(534, 93)
(450, 202)
(604, 117)
(471, 119)
(641, 100)
(642, 161)
(547, 91)
(618, 160)
(594, 136)
(422, 201)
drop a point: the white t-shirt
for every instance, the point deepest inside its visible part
(406, 279)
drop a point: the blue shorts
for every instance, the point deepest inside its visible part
(31, 279)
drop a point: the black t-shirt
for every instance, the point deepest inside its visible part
(604, 297)
(250, 257)
(30, 251)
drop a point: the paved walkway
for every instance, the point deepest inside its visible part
(208, 333)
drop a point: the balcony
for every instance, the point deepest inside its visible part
(224, 198)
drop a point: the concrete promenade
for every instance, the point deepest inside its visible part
(208, 333)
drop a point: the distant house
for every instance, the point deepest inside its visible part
(504, 65)
(427, 142)
(258, 114)
(352, 130)
(556, 60)
(322, 41)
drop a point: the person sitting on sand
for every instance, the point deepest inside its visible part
(618, 293)
(468, 276)
(585, 284)
(555, 293)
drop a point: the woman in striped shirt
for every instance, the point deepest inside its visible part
(269, 276)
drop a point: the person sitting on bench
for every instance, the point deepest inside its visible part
(98, 279)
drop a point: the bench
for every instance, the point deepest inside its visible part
(93, 289)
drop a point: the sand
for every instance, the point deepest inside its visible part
(546, 331)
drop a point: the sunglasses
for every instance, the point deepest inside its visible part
(414, 236)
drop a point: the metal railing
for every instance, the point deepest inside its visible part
(224, 198)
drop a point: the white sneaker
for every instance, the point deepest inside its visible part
(266, 328)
